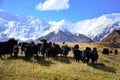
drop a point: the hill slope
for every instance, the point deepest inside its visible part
(112, 37)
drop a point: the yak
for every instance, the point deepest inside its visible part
(7, 47)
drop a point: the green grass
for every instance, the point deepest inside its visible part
(108, 67)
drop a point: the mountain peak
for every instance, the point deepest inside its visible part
(60, 36)
(57, 31)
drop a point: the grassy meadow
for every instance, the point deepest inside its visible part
(108, 67)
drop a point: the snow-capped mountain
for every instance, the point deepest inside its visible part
(31, 28)
(21, 27)
(96, 28)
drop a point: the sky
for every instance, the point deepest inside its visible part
(56, 10)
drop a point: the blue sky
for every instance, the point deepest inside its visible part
(70, 10)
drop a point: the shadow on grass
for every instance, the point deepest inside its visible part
(66, 60)
(44, 61)
(40, 60)
(19, 57)
(102, 67)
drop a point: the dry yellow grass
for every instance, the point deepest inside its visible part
(108, 67)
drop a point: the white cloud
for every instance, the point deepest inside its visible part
(57, 24)
(62, 25)
(53, 5)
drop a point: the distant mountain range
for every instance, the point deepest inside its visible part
(28, 28)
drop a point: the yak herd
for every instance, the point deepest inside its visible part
(49, 50)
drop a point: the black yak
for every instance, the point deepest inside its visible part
(7, 47)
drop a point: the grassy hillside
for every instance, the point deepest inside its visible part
(108, 67)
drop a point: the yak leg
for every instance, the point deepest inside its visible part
(1, 56)
(43, 54)
(11, 54)
(37, 55)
